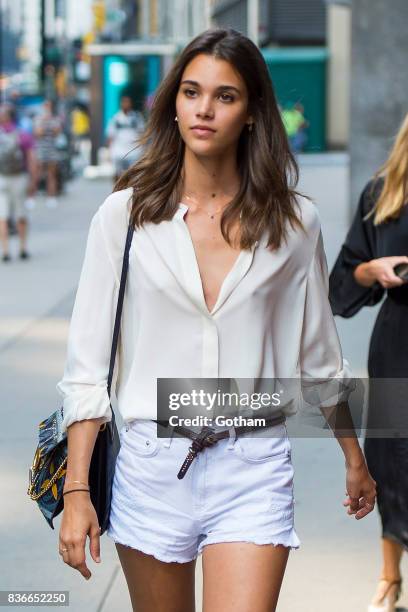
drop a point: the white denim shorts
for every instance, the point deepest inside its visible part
(239, 489)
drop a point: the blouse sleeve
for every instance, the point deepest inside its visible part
(347, 296)
(84, 383)
(326, 377)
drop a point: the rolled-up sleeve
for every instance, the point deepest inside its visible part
(326, 376)
(84, 383)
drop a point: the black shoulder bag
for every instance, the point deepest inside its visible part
(47, 473)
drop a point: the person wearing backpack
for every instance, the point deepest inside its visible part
(15, 149)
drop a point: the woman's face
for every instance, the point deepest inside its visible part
(211, 94)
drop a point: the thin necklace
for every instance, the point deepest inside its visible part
(211, 215)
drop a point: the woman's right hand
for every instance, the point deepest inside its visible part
(79, 519)
(380, 270)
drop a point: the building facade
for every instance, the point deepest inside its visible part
(291, 24)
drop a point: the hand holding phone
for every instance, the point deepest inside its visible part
(401, 270)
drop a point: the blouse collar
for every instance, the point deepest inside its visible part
(191, 276)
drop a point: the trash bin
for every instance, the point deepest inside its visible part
(299, 75)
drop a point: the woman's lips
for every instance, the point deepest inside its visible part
(206, 132)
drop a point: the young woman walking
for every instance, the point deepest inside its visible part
(227, 278)
(364, 271)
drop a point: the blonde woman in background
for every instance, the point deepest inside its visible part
(364, 271)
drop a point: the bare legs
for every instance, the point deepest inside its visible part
(52, 186)
(156, 585)
(51, 169)
(22, 233)
(237, 577)
(242, 577)
(392, 553)
(4, 234)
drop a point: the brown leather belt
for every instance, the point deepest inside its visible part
(208, 437)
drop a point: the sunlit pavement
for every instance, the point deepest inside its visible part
(338, 563)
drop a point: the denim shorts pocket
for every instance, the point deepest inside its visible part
(140, 440)
(260, 447)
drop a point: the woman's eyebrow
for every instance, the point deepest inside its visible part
(196, 84)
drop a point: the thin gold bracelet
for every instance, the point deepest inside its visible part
(78, 481)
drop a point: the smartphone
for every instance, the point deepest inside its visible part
(401, 270)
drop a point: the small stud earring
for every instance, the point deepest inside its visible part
(175, 118)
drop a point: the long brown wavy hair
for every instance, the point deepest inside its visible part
(268, 170)
(394, 171)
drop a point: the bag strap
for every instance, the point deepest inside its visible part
(119, 307)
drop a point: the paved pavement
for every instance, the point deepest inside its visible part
(337, 565)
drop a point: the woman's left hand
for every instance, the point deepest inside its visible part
(360, 490)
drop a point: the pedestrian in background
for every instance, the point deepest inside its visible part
(80, 130)
(47, 128)
(295, 125)
(15, 151)
(364, 271)
(122, 133)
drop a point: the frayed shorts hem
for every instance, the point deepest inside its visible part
(289, 541)
(154, 552)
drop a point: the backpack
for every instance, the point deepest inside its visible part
(11, 155)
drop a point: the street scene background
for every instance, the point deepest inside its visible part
(85, 55)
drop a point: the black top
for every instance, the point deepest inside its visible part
(366, 241)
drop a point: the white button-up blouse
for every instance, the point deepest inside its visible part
(272, 317)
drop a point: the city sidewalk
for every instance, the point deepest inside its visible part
(339, 561)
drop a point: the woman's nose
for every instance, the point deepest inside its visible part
(204, 109)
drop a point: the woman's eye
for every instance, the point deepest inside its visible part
(230, 98)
